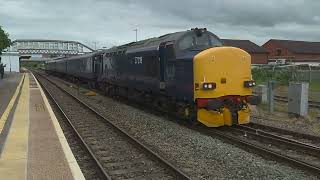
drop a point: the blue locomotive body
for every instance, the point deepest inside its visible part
(168, 72)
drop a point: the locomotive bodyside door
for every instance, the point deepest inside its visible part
(166, 53)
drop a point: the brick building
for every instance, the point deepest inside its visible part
(259, 55)
(293, 51)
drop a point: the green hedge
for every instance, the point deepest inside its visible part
(261, 76)
(32, 64)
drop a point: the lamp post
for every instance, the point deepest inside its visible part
(10, 62)
(95, 45)
(136, 30)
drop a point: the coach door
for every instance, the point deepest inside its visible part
(98, 65)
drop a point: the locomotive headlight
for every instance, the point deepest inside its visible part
(208, 86)
(249, 84)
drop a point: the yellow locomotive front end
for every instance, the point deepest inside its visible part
(223, 86)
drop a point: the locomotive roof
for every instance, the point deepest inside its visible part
(143, 45)
(151, 43)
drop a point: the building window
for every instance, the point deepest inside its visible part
(51, 45)
(279, 52)
(60, 45)
(41, 45)
(36, 45)
(47, 45)
(75, 47)
(70, 46)
(65, 46)
(80, 48)
(56, 46)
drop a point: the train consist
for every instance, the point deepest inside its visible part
(188, 73)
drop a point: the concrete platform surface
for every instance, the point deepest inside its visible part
(8, 86)
(35, 147)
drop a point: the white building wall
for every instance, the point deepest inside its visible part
(11, 60)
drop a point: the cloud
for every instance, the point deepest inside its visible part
(112, 22)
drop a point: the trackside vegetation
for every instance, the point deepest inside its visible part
(4, 40)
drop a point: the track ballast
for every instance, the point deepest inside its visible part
(120, 155)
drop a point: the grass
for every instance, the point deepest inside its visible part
(315, 86)
(316, 128)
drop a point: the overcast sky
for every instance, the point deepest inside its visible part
(111, 22)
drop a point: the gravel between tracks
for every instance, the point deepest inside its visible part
(200, 156)
(281, 120)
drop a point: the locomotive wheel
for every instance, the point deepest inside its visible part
(190, 115)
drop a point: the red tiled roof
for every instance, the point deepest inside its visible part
(246, 45)
(300, 47)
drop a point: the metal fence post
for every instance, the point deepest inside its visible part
(271, 85)
(310, 74)
(298, 98)
(262, 92)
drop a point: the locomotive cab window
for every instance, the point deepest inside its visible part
(196, 41)
(169, 51)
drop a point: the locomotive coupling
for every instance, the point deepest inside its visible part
(214, 104)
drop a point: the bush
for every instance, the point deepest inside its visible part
(262, 76)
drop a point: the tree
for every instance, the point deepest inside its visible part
(4, 40)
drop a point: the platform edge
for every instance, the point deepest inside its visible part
(7, 111)
(73, 164)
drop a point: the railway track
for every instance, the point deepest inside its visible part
(286, 133)
(90, 166)
(313, 104)
(117, 154)
(300, 150)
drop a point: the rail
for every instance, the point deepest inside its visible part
(297, 153)
(84, 144)
(178, 174)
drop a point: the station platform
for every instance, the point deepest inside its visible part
(32, 144)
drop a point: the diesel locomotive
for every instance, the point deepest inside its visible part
(188, 73)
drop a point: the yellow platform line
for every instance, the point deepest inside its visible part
(6, 113)
(13, 162)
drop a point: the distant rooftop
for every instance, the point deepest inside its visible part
(246, 45)
(301, 47)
